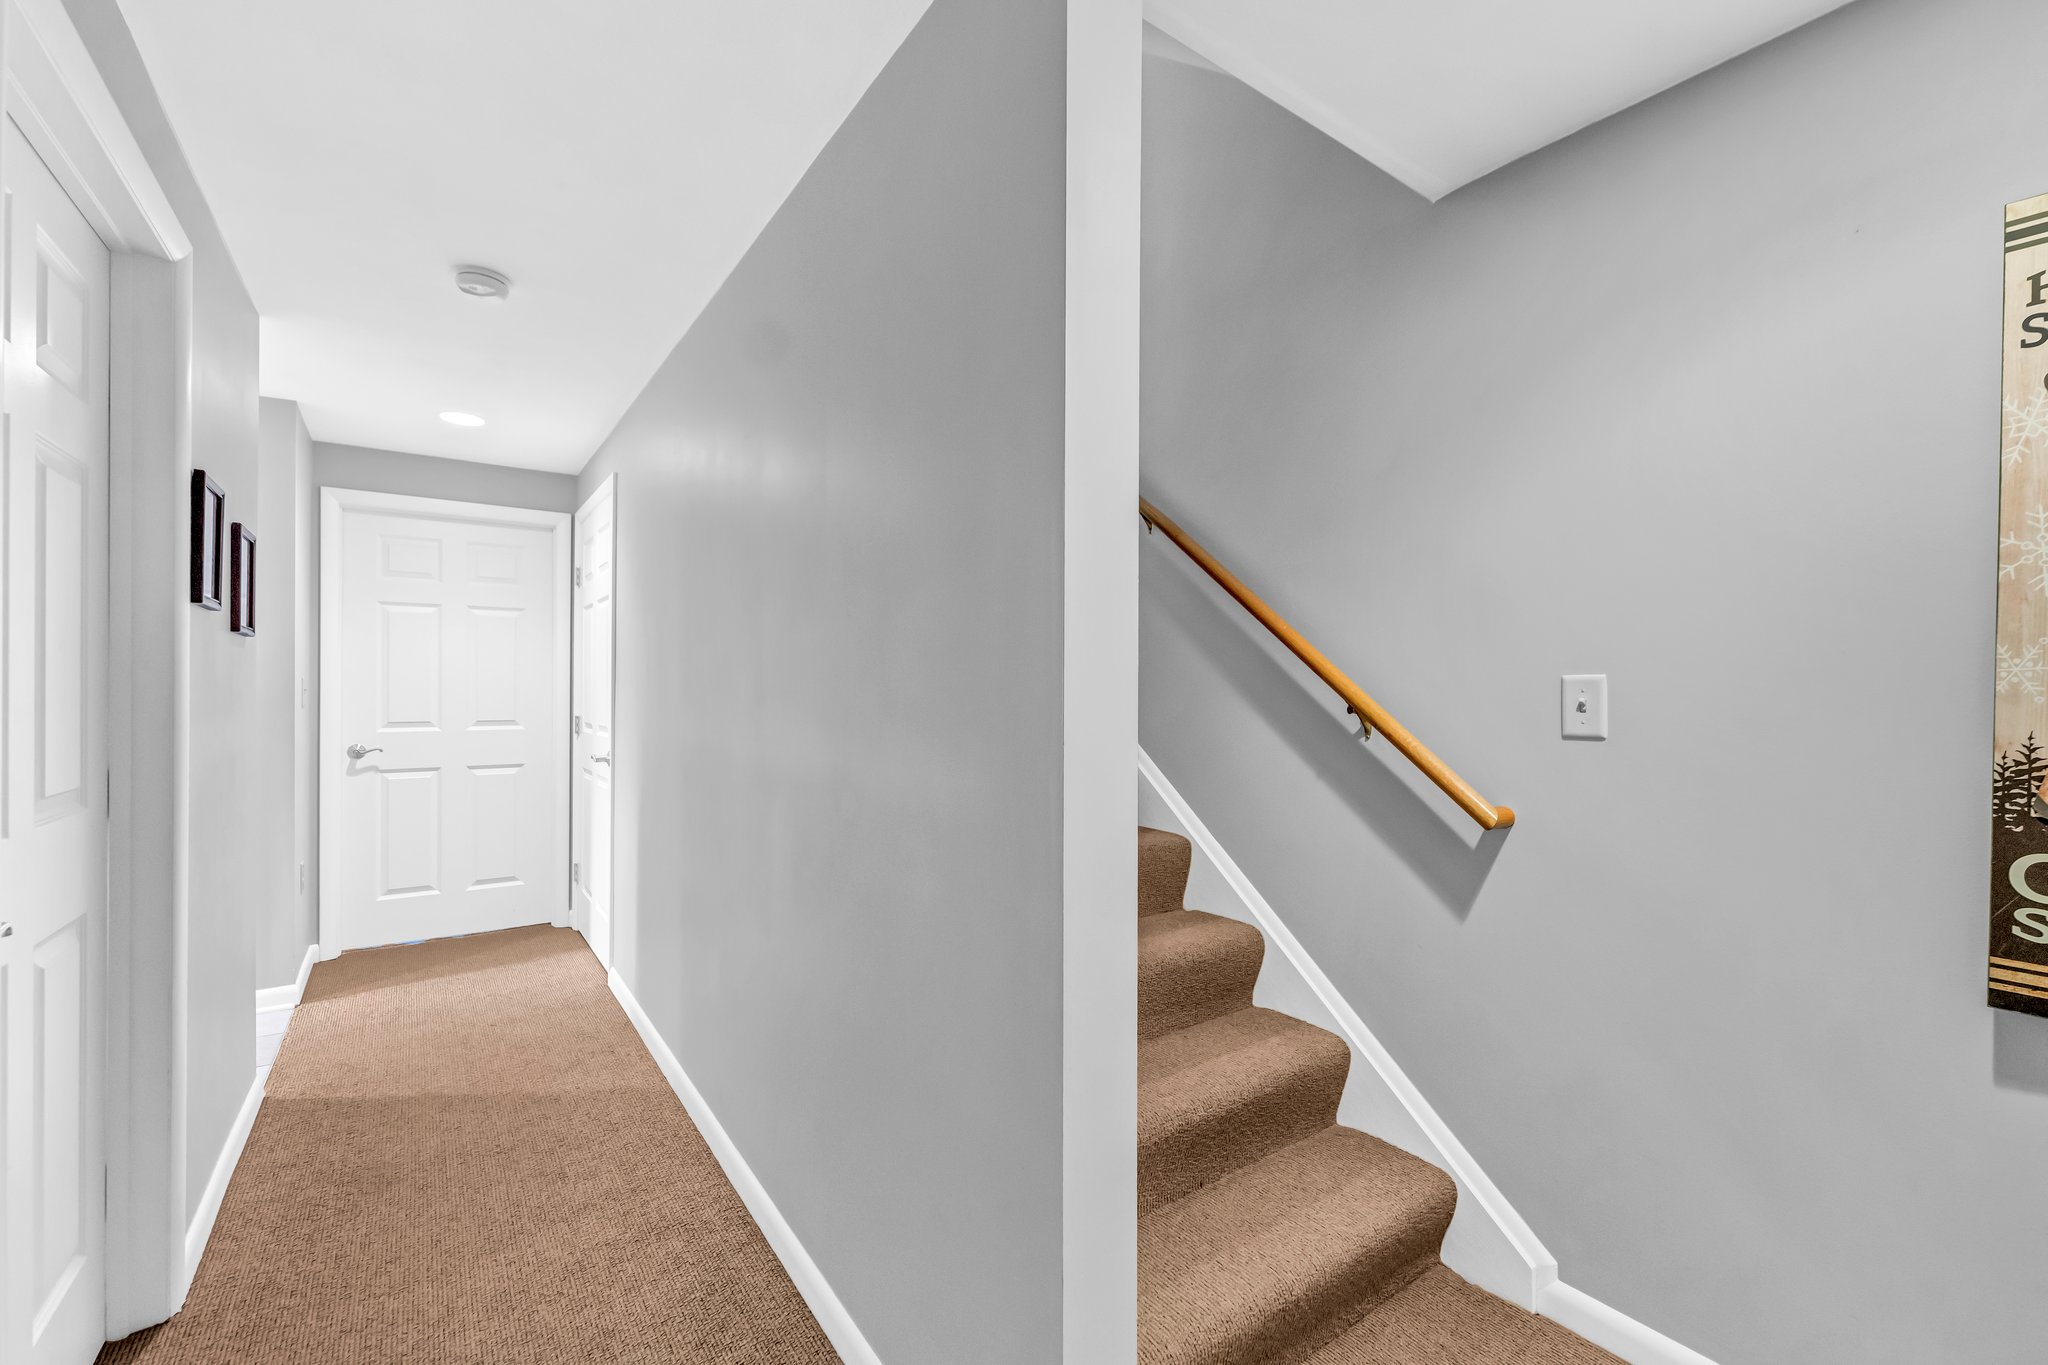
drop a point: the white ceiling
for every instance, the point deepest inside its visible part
(617, 157)
(614, 157)
(1439, 92)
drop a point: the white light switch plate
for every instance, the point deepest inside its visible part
(1582, 706)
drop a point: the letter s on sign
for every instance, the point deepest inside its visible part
(2036, 923)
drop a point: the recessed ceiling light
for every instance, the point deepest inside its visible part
(462, 419)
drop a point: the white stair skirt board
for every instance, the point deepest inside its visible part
(1613, 1330)
(837, 1323)
(201, 1226)
(1488, 1242)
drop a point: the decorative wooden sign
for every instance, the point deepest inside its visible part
(2018, 978)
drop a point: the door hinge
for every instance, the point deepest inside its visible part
(579, 575)
(575, 725)
(576, 873)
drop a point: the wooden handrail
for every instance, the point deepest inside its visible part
(1368, 711)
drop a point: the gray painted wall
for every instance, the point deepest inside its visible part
(838, 863)
(1705, 398)
(226, 792)
(285, 910)
(428, 476)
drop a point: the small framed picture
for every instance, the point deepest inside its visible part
(242, 581)
(209, 539)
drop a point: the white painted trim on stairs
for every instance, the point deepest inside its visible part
(285, 997)
(201, 1227)
(1613, 1330)
(838, 1324)
(1492, 1247)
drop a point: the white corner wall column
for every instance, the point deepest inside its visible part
(57, 97)
(150, 460)
(1099, 1025)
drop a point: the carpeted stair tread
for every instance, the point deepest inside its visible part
(1193, 967)
(1279, 1257)
(1163, 860)
(1440, 1319)
(1223, 1093)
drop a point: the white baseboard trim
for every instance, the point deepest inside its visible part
(838, 1324)
(285, 997)
(1613, 1330)
(201, 1227)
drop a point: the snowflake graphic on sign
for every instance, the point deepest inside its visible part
(2029, 551)
(2026, 426)
(2024, 671)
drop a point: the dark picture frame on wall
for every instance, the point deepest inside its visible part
(242, 580)
(209, 539)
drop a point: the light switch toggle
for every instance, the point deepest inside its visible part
(1582, 708)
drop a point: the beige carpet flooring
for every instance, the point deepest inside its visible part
(1268, 1234)
(466, 1157)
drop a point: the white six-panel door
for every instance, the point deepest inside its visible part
(444, 719)
(591, 848)
(53, 771)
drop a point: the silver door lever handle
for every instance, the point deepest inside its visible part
(605, 759)
(358, 751)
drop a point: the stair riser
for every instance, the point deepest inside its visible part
(1317, 1311)
(1189, 983)
(1286, 1107)
(1163, 862)
(1268, 1264)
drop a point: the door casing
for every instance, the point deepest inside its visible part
(58, 98)
(605, 946)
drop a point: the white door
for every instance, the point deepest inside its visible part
(53, 759)
(591, 855)
(443, 718)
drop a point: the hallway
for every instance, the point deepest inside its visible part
(465, 1154)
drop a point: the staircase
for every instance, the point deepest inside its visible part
(1267, 1233)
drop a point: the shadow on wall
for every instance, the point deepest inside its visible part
(2019, 1052)
(1415, 825)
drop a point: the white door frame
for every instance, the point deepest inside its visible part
(55, 94)
(334, 502)
(609, 488)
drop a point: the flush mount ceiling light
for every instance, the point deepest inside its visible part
(482, 282)
(462, 419)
